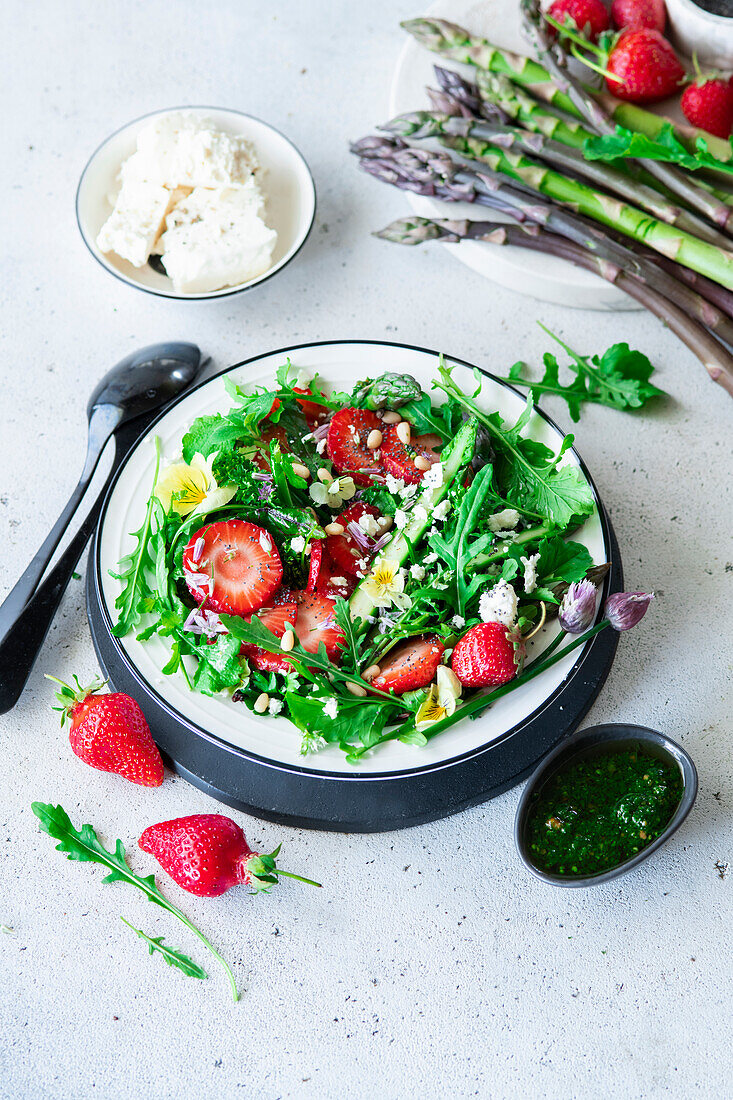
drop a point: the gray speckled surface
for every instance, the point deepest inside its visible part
(431, 964)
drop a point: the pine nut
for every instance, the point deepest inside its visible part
(391, 418)
(262, 702)
(334, 528)
(371, 672)
(403, 432)
(301, 471)
(422, 463)
(386, 523)
(287, 641)
(374, 439)
(325, 476)
(356, 689)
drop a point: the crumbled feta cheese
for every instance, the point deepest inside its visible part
(275, 706)
(417, 572)
(501, 520)
(394, 484)
(408, 491)
(303, 378)
(433, 477)
(530, 572)
(499, 605)
(297, 545)
(441, 510)
(321, 446)
(179, 149)
(420, 514)
(331, 708)
(401, 519)
(368, 524)
(458, 622)
(505, 536)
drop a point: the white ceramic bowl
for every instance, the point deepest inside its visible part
(288, 185)
(700, 32)
(544, 277)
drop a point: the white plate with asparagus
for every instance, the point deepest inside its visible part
(498, 131)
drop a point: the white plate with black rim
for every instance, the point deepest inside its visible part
(254, 763)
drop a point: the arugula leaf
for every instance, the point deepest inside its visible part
(425, 419)
(619, 378)
(208, 434)
(528, 470)
(253, 407)
(219, 664)
(380, 498)
(132, 566)
(358, 721)
(172, 955)
(665, 147)
(456, 546)
(84, 845)
(561, 560)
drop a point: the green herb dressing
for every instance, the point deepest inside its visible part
(602, 810)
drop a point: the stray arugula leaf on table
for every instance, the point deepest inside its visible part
(619, 378)
(85, 846)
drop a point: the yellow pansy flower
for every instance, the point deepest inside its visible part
(191, 488)
(440, 701)
(385, 585)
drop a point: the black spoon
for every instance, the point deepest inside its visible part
(136, 388)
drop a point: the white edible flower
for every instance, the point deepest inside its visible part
(499, 605)
(331, 708)
(417, 572)
(297, 545)
(458, 622)
(274, 706)
(307, 437)
(441, 510)
(368, 524)
(321, 446)
(441, 698)
(191, 488)
(385, 585)
(430, 559)
(502, 521)
(408, 491)
(333, 494)
(530, 572)
(433, 478)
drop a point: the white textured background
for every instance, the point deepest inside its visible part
(431, 965)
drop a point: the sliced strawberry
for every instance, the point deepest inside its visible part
(344, 549)
(316, 624)
(346, 443)
(398, 458)
(410, 665)
(237, 570)
(315, 564)
(275, 618)
(332, 580)
(312, 411)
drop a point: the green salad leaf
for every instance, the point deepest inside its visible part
(131, 569)
(666, 146)
(172, 955)
(619, 378)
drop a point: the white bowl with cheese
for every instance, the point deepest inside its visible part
(218, 197)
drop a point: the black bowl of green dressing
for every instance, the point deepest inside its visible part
(601, 802)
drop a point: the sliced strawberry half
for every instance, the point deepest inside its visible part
(314, 568)
(333, 581)
(312, 411)
(346, 444)
(276, 619)
(345, 550)
(316, 624)
(236, 570)
(410, 665)
(398, 458)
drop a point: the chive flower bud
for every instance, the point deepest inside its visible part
(578, 607)
(625, 609)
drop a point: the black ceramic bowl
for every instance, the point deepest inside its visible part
(617, 735)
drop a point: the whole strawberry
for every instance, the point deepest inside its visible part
(708, 103)
(644, 67)
(109, 732)
(634, 15)
(489, 654)
(589, 16)
(207, 854)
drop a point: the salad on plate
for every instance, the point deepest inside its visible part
(369, 565)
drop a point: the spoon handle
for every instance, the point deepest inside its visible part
(22, 640)
(102, 422)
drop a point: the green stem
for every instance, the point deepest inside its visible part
(298, 878)
(531, 535)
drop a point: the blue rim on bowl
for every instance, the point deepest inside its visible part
(306, 190)
(616, 734)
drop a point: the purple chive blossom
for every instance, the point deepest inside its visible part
(204, 622)
(363, 541)
(198, 549)
(578, 607)
(625, 609)
(321, 431)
